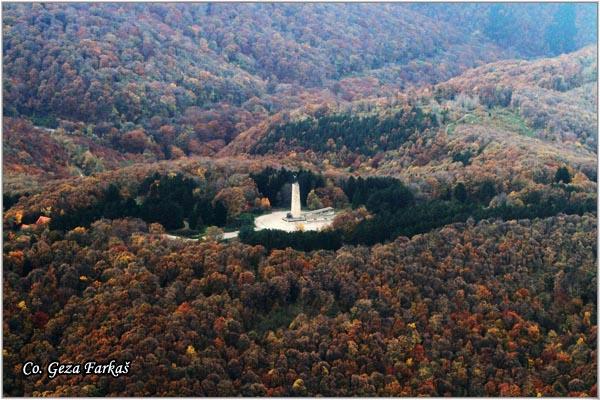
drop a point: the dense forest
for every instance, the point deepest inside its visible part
(394, 212)
(455, 142)
(496, 308)
(177, 78)
(361, 135)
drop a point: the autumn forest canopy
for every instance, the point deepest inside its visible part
(456, 144)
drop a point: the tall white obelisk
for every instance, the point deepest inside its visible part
(295, 200)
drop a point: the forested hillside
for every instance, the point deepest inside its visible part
(495, 309)
(554, 99)
(190, 77)
(455, 142)
(540, 29)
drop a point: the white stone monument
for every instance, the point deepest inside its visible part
(295, 219)
(295, 211)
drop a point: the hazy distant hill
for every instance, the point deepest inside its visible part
(118, 67)
(557, 97)
(531, 29)
(553, 99)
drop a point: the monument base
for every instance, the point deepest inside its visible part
(277, 220)
(290, 218)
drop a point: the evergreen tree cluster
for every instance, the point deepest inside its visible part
(562, 175)
(271, 182)
(304, 241)
(8, 200)
(166, 199)
(361, 134)
(377, 193)
(113, 205)
(396, 213)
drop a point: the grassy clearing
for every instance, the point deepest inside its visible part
(510, 121)
(502, 118)
(467, 119)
